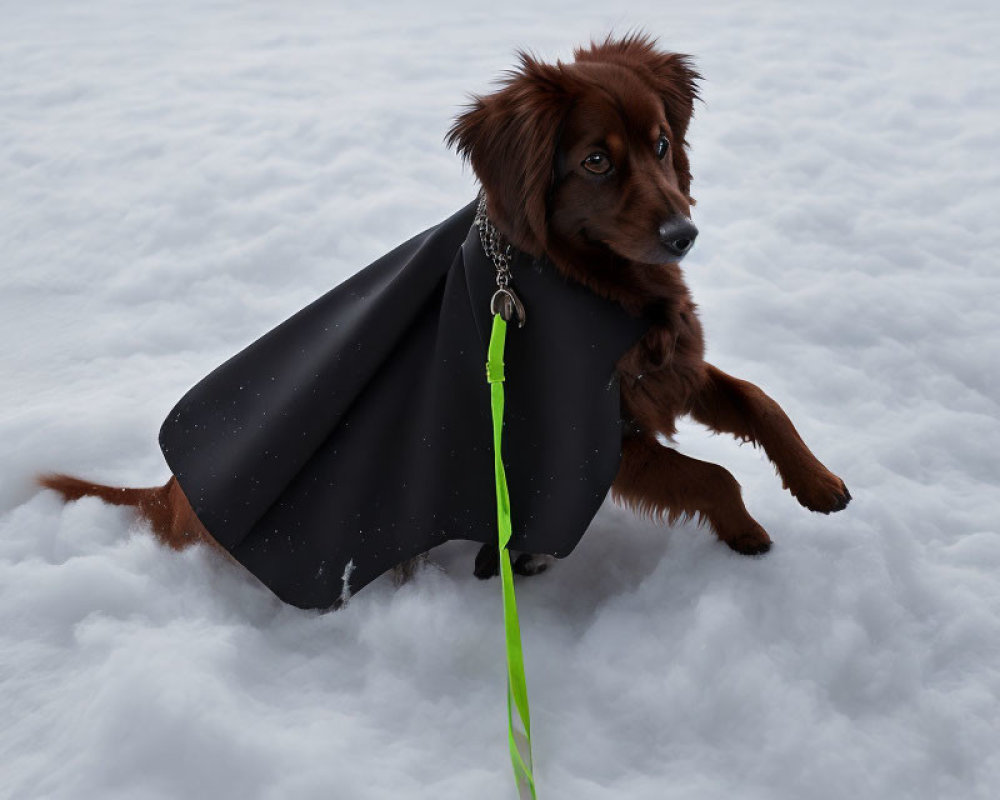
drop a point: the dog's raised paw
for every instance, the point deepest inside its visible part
(826, 495)
(843, 500)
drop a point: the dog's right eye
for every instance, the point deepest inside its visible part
(598, 163)
(662, 145)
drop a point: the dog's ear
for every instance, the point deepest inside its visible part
(671, 77)
(510, 139)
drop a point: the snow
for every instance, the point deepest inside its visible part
(176, 178)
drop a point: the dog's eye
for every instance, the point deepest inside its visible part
(598, 163)
(662, 145)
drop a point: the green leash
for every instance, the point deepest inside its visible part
(517, 690)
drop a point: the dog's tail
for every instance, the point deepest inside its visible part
(151, 503)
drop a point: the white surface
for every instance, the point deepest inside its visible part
(175, 178)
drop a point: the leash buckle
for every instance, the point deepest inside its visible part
(508, 305)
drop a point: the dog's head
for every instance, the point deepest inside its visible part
(586, 161)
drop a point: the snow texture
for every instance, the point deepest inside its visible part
(176, 178)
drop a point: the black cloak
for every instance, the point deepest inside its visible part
(357, 434)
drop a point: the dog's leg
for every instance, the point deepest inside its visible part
(660, 482)
(487, 562)
(730, 405)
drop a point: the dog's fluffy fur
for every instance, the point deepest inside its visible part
(586, 164)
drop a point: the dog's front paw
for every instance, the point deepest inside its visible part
(488, 563)
(824, 492)
(753, 541)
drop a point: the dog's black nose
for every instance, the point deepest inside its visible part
(677, 234)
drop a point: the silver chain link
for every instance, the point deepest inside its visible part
(494, 244)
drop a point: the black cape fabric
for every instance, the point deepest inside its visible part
(357, 434)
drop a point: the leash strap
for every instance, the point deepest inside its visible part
(518, 737)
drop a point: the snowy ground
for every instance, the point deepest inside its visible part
(175, 178)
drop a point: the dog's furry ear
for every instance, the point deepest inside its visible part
(510, 139)
(670, 75)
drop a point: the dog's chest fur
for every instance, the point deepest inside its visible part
(663, 373)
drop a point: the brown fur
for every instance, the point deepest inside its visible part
(527, 143)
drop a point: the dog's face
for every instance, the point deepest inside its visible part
(586, 162)
(615, 180)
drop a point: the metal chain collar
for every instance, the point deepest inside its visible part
(505, 301)
(494, 244)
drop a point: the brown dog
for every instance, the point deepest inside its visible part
(585, 164)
